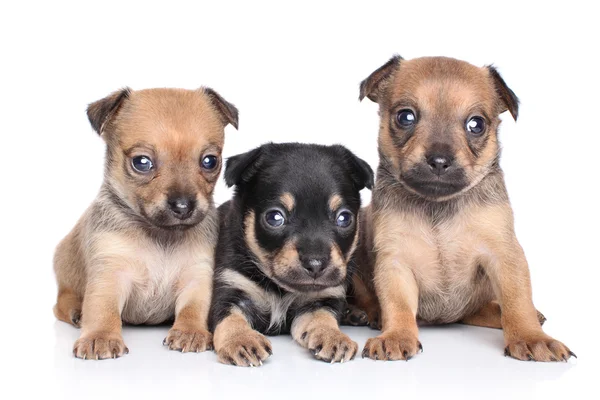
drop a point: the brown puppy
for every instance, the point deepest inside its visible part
(439, 244)
(143, 251)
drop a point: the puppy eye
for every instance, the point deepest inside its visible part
(209, 162)
(475, 126)
(343, 219)
(142, 164)
(274, 218)
(406, 118)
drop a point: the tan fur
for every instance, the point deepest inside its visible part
(354, 241)
(490, 316)
(279, 263)
(445, 259)
(237, 343)
(319, 332)
(112, 267)
(442, 88)
(249, 221)
(178, 127)
(286, 258)
(335, 202)
(336, 255)
(288, 201)
(363, 298)
(362, 291)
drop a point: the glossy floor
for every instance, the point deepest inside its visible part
(458, 362)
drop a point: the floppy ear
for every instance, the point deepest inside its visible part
(371, 86)
(100, 112)
(360, 171)
(241, 168)
(509, 99)
(363, 174)
(229, 113)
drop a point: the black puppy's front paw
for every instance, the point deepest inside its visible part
(247, 350)
(329, 345)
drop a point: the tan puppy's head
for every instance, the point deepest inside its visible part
(439, 122)
(163, 151)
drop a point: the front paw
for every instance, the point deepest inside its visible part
(188, 340)
(100, 346)
(329, 344)
(538, 348)
(249, 349)
(392, 346)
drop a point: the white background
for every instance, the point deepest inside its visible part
(293, 71)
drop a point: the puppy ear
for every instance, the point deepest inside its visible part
(371, 86)
(100, 112)
(509, 99)
(229, 113)
(363, 174)
(241, 168)
(360, 171)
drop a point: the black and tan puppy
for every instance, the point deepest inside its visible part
(285, 251)
(439, 243)
(143, 252)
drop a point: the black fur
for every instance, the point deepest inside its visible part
(312, 174)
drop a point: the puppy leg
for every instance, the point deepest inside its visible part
(190, 331)
(319, 332)
(68, 307)
(101, 317)
(490, 316)
(236, 343)
(523, 335)
(70, 275)
(399, 296)
(363, 308)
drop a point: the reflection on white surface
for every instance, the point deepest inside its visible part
(458, 361)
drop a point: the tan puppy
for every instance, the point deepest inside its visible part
(439, 244)
(143, 252)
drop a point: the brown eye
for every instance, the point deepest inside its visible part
(475, 126)
(406, 118)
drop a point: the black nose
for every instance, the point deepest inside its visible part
(439, 163)
(182, 207)
(314, 265)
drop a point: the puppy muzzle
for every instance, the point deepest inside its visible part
(179, 219)
(302, 279)
(436, 178)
